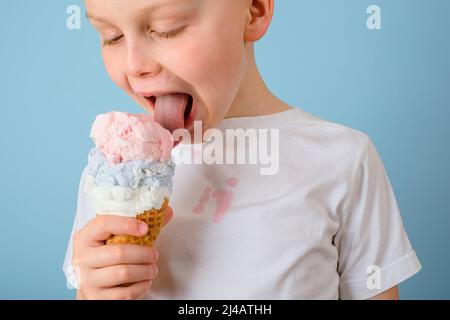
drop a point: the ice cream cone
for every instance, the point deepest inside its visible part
(130, 172)
(154, 218)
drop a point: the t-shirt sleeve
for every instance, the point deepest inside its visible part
(84, 213)
(374, 251)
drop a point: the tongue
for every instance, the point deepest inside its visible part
(169, 110)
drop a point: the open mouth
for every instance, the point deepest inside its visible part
(173, 110)
(151, 101)
(188, 109)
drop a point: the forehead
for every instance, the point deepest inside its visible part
(93, 6)
(109, 11)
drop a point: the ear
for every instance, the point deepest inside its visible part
(260, 14)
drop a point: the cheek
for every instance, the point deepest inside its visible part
(114, 68)
(213, 62)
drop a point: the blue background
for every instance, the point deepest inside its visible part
(393, 84)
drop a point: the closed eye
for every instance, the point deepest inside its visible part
(167, 35)
(162, 35)
(112, 41)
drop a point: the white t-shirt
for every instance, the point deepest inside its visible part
(326, 226)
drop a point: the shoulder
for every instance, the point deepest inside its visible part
(326, 130)
(326, 139)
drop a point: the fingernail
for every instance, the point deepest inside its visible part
(142, 228)
(156, 254)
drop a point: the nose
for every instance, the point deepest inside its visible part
(140, 62)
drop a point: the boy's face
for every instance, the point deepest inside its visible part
(155, 47)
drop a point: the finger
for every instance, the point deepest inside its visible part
(168, 216)
(106, 256)
(103, 226)
(132, 292)
(116, 275)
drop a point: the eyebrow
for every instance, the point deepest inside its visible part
(152, 7)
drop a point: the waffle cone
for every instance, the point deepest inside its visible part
(154, 218)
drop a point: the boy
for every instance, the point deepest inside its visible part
(313, 230)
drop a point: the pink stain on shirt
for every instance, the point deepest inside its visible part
(223, 199)
(232, 182)
(200, 207)
(223, 202)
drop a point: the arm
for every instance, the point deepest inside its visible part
(390, 294)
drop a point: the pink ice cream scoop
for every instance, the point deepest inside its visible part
(121, 137)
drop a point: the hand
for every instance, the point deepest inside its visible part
(103, 270)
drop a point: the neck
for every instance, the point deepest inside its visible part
(253, 97)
